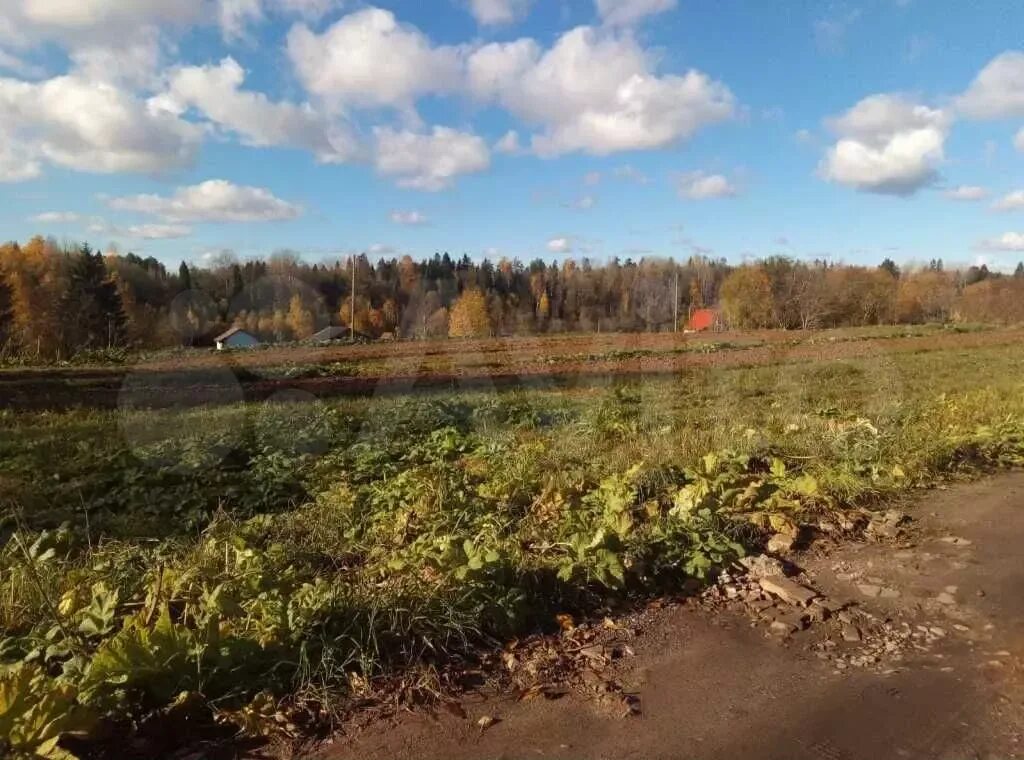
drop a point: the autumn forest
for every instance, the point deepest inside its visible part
(57, 301)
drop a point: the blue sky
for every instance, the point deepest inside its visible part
(852, 131)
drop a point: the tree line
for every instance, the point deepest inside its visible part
(57, 301)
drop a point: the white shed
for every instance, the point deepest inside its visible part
(236, 337)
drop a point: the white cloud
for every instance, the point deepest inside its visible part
(698, 186)
(55, 217)
(997, 91)
(115, 23)
(560, 245)
(1018, 141)
(159, 231)
(88, 126)
(14, 64)
(237, 15)
(1008, 241)
(410, 218)
(630, 11)
(368, 58)
(584, 203)
(886, 144)
(215, 91)
(313, 10)
(595, 91)
(98, 18)
(830, 33)
(966, 193)
(509, 143)
(631, 174)
(133, 63)
(497, 12)
(215, 200)
(382, 249)
(431, 161)
(1012, 202)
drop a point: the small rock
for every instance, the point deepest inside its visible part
(869, 589)
(780, 628)
(940, 632)
(980, 592)
(851, 633)
(890, 593)
(780, 543)
(788, 591)
(829, 606)
(956, 541)
(946, 598)
(762, 566)
(951, 589)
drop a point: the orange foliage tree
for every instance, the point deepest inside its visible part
(469, 317)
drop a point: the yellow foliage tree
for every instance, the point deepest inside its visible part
(747, 297)
(469, 317)
(300, 319)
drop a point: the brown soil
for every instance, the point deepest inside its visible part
(717, 684)
(562, 361)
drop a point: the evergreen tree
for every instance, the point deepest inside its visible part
(1019, 271)
(91, 308)
(890, 266)
(185, 277)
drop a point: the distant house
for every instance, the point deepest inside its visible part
(330, 333)
(704, 319)
(236, 337)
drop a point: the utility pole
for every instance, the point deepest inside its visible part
(675, 305)
(352, 317)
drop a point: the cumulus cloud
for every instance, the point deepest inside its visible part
(560, 245)
(509, 143)
(595, 91)
(498, 12)
(830, 33)
(369, 59)
(429, 161)
(698, 186)
(1018, 141)
(71, 23)
(630, 173)
(966, 193)
(997, 92)
(630, 11)
(410, 218)
(1011, 202)
(215, 200)
(1008, 241)
(886, 144)
(159, 231)
(55, 217)
(216, 92)
(88, 126)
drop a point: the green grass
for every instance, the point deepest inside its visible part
(300, 551)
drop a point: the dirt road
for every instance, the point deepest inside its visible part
(929, 664)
